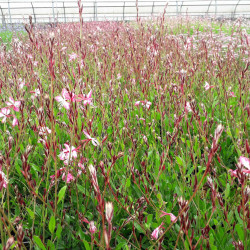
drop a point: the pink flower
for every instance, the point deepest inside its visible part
(231, 94)
(64, 98)
(92, 227)
(81, 169)
(4, 114)
(14, 122)
(242, 161)
(59, 173)
(93, 140)
(36, 92)
(233, 172)
(21, 83)
(188, 107)
(63, 48)
(94, 179)
(44, 130)
(172, 217)
(69, 177)
(13, 104)
(246, 163)
(87, 99)
(119, 76)
(217, 135)
(207, 86)
(3, 179)
(72, 56)
(68, 153)
(109, 211)
(155, 233)
(145, 103)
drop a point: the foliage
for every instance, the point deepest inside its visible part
(126, 136)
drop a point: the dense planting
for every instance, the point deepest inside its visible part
(126, 136)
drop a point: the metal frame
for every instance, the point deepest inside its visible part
(124, 10)
(236, 8)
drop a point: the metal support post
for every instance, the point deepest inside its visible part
(3, 18)
(123, 13)
(235, 9)
(9, 12)
(33, 11)
(53, 11)
(215, 2)
(64, 12)
(177, 11)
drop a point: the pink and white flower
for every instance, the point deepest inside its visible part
(155, 233)
(145, 103)
(109, 208)
(93, 140)
(64, 98)
(36, 92)
(233, 172)
(21, 83)
(15, 121)
(207, 86)
(62, 172)
(119, 76)
(243, 161)
(246, 163)
(81, 169)
(4, 114)
(63, 48)
(92, 227)
(70, 177)
(68, 154)
(188, 107)
(43, 131)
(72, 56)
(4, 179)
(13, 104)
(87, 99)
(172, 217)
(231, 94)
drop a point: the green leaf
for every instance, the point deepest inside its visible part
(38, 242)
(59, 231)
(179, 161)
(82, 190)
(120, 245)
(159, 196)
(138, 227)
(50, 245)
(149, 218)
(61, 194)
(31, 213)
(52, 224)
(128, 182)
(240, 232)
(86, 244)
(227, 192)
